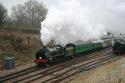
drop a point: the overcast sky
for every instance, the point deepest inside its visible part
(78, 19)
(10, 3)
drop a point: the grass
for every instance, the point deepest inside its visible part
(15, 44)
(2, 56)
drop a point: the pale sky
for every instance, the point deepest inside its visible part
(10, 3)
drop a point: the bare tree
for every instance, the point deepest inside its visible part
(3, 14)
(30, 14)
(18, 14)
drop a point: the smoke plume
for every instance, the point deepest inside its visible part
(75, 20)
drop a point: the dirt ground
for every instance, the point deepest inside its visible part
(112, 72)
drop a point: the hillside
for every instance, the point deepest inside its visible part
(21, 45)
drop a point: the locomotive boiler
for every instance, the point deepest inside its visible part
(49, 54)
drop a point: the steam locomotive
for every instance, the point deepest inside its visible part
(118, 46)
(53, 54)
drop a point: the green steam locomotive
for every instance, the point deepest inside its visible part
(56, 53)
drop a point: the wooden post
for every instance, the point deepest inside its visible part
(28, 41)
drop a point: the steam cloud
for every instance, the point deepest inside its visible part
(76, 20)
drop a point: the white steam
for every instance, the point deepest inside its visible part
(75, 20)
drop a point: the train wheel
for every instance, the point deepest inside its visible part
(40, 64)
(116, 53)
(47, 64)
(72, 56)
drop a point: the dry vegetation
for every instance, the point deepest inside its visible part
(113, 72)
(16, 44)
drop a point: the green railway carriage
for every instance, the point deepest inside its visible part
(98, 44)
(81, 47)
(72, 49)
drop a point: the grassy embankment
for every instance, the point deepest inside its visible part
(15, 44)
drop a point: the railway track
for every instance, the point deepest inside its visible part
(68, 72)
(35, 73)
(60, 74)
(17, 73)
